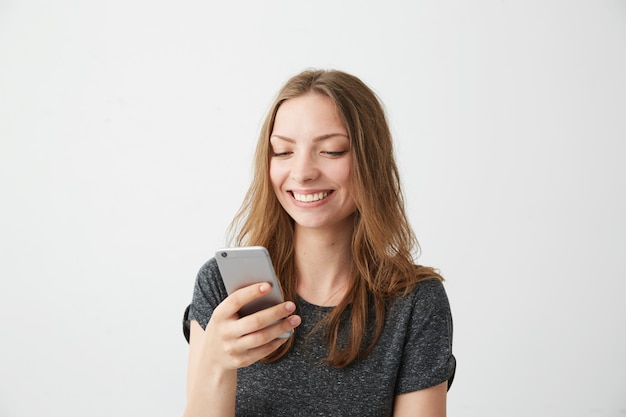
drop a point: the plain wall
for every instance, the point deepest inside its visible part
(126, 133)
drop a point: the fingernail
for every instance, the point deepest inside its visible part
(264, 287)
(289, 306)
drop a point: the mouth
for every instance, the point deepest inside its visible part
(311, 197)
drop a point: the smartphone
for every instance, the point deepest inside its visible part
(247, 265)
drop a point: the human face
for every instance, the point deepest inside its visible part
(310, 163)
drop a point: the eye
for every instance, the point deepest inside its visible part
(281, 154)
(334, 153)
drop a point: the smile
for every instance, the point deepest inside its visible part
(310, 198)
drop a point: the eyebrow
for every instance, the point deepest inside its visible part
(315, 139)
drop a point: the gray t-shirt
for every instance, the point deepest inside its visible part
(414, 352)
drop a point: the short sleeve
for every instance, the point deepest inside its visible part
(208, 293)
(427, 358)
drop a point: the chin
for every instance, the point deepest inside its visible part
(322, 224)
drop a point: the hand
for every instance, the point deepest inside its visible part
(233, 342)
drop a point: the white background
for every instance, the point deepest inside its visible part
(126, 135)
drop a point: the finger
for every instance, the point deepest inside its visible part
(265, 318)
(256, 354)
(259, 344)
(233, 303)
(283, 329)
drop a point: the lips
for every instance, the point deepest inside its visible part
(310, 197)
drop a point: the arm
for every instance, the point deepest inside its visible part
(428, 365)
(429, 402)
(209, 389)
(229, 343)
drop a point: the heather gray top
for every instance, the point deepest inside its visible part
(414, 352)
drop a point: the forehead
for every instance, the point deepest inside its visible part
(307, 116)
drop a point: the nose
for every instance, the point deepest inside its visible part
(304, 168)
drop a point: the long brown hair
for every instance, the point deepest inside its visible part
(383, 243)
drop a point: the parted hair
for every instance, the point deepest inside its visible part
(383, 243)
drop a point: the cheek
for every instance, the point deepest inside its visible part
(276, 175)
(343, 176)
(342, 173)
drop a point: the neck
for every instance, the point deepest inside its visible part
(323, 264)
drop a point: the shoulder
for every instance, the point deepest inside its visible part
(209, 269)
(424, 307)
(432, 287)
(430, 292)
(425, 295)
(209, 277)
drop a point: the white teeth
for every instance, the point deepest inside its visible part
(309, 198)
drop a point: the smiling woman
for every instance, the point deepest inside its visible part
(374, 330)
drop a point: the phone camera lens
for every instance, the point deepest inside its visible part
(224, 254)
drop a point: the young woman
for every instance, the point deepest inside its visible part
(373, 331)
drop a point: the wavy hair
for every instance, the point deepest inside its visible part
(383, 243)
